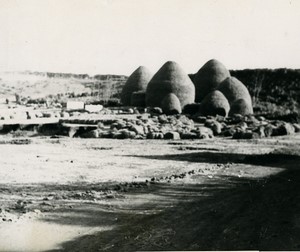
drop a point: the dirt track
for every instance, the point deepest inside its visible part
(92, 195)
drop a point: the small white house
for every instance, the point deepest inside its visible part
(75, 105)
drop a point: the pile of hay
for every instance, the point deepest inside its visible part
(171, 104)
(215, 103)
(170, 78)
(241, 107)
(138, 99)
(234, 90)
(208, 78)
(136, 82)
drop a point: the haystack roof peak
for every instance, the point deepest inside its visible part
(170, 78)
(137, 81)
(209, 77)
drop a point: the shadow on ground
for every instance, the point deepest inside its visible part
(228, 213)
(270, 159)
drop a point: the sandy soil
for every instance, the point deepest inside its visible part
(128, 195)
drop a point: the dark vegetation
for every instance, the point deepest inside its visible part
(279, 87)
(273, 91)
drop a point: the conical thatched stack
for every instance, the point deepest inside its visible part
(170, 78)
(215, 103)
(138, 99)
(136, 82)
(208, 78)
(241, 107)
(234, 90)
(171, 104)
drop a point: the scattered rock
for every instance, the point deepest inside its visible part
(215, 126)
(239, 134)
(285, 129)
(90, 134)
(297, 127)
(138, 129)
(204, 132)
(188, 135)
(172, 135)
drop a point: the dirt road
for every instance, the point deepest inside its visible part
(104, 195)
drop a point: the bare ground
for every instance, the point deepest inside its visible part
(129, 195)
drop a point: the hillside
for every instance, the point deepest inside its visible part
(34, 85)
(271, 89)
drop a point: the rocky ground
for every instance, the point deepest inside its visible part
(74, 194)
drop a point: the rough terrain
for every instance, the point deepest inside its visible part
(128, 195)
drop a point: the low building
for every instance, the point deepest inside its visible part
(75, 105)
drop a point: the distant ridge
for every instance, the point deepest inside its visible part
(68, 75)
(35, 84)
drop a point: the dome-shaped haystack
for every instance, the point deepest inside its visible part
(137, 81)
(170, 78)
(138, 99)
(208, 78)
(215, 103)
(241, 107)
(234, 90)
(171, 104)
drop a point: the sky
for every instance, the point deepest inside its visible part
(117, 36)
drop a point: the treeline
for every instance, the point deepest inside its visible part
(86, 76)
(77, 76)
(275, 86)
(278, 86)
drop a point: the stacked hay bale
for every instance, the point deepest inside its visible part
(215, 103)
(208, 78)
(240, 107)
(137, 82)
(237, 95)
(170, 80)
(138, 99)
(219, 93)
(171, 104)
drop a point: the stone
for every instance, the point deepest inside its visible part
(172, 135)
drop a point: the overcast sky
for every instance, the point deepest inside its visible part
(116, 36)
